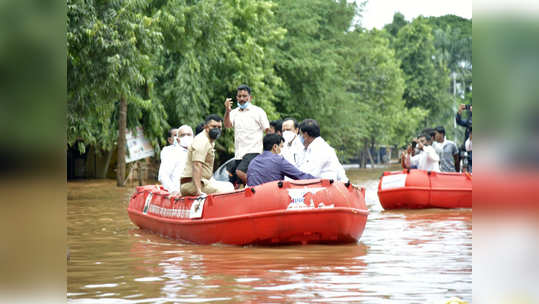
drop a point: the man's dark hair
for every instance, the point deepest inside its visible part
(427, 136)
(428, 131)
(214, 117)
(170, 132)
(244, 87)
(311, 127)
(292, 119)
(440, 129)
(277, 125)
(199, 128)
(272, 139)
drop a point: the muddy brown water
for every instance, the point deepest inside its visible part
(405, 256)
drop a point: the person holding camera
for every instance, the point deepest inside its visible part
(427, 159)
(467, 123)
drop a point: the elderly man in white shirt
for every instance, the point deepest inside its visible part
(293, 148)
(173, 157)
(428, 159)
(320, 159)
(249, 123)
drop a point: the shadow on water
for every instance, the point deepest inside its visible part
(404, 256)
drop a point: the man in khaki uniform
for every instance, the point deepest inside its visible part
(196, 178)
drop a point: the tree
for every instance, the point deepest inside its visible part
(398, 22)
(427, 80)
(111, 62)
(211, 47)
(312, 62)
(377, 85)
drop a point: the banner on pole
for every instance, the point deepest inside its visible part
(138, 146)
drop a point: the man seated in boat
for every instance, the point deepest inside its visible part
(276, 126)
(173, 157)
(270, 166)
(427, 160)
(293, 148)
(319, 159)
(196, 178)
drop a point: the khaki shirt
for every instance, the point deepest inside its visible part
(201, 150)
(249, 126)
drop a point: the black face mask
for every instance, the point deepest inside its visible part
(214, 133)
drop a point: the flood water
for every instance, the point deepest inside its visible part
(405, 256)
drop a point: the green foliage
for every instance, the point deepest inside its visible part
(427, 79)
(394, 27)
(378, 86)
(451, 57)
(176, 61)
(312, 62)
(112, 47)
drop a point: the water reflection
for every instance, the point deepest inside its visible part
(403, 257)
(239, 274)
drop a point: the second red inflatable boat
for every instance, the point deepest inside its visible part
(415, 189)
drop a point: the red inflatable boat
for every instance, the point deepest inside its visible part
(415, 189)
(280, 212)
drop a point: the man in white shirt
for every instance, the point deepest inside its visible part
(249, 123)
(293, 148)
(173, 157)
(428, 159)
(320, 159)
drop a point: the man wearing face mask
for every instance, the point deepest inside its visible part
(270, 166)
(169, 162)
(196, 177)
(293, 148)
(320, 158)
(249, 123)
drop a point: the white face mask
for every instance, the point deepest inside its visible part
(175, 140)
(288, 136)
(186, 141)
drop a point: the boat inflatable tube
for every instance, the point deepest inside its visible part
(275, 213)
(417, 189)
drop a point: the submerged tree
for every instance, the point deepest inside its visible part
(112, 48)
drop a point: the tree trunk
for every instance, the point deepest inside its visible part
(122, 122)
(368, 151)
(364, 156)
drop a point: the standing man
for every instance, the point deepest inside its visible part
(249, 123)
(447, 150)
(270, 166)
(293, 148)
(467, 123)
(196, 177)
(320, 158)
(428, 159)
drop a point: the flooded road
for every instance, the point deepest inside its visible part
(411, 256)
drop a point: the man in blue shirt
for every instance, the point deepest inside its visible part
(270, 166)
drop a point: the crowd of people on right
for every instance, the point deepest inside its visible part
(432, 151)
